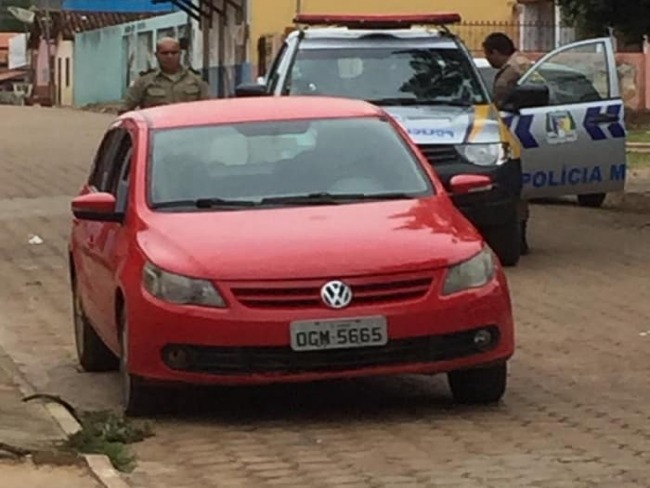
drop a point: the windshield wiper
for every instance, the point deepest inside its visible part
(407, 101)
(322, 198)
(452, 103)
(202, 203)
(394, 101)
(332, 198)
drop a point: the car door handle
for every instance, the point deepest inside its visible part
(603, 119)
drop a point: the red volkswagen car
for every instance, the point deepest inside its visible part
(250, 241)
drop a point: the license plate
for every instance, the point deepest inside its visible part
(318, 335)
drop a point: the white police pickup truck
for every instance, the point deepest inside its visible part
(560, 137)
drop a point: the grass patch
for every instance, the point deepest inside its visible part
(639, 134)
(638, 159)
(108, 433)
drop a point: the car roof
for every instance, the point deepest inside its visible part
(256, 109)
(481, 63)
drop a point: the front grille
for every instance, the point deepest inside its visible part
(305, 294)
(438, 154)
(278, 360)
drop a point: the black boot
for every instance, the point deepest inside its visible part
(524, 239)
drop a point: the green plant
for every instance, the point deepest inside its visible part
(106, 432)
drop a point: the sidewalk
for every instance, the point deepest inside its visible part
(29, 426)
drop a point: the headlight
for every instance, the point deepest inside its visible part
(473, 273)
(178, 289)
(485, 154)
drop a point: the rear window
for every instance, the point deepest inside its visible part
(440, 75)
(262, 160)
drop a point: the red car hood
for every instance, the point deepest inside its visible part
(310, 242)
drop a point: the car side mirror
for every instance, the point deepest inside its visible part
(251, 90)
(96, 207)
(527, 96)
(464, 184)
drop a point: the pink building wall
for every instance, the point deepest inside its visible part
(41, 92)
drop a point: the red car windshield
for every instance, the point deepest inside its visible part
(267, 161)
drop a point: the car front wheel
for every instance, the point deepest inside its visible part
(479, 386)
(93, 355)
(138, 398)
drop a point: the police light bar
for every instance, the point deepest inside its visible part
(378, 21)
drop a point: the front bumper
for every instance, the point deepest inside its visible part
(242, 345)
(486, 209)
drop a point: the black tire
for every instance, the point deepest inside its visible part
(138, 398)
(592, 200)
(479, 386)
(93, 355)
(505, 241)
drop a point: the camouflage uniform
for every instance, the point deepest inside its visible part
(156, 88)
(504, 84)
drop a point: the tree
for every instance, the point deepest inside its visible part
(629, 18)
(9, 23)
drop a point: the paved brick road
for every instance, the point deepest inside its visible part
(576, 414)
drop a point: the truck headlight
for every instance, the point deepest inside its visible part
(181, 290)
(484, 154)
(473, 273)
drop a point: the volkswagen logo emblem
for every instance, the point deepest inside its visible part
(336, 294)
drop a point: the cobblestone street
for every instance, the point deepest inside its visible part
(576, 413)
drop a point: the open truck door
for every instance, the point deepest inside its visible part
(576, 144)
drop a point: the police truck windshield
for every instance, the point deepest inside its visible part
(388, 75)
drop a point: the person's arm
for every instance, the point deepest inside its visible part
(133, 97)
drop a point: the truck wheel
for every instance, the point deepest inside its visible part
(479, 386)
(592, 200)
(505, 241)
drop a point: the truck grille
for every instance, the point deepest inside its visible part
(306, 294)
(438, 154)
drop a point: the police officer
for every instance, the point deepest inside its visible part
(170, 83)
(501, 53)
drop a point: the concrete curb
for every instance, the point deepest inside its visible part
(99, 465)
(638, 148)
(102, 470)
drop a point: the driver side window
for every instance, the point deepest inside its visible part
(579, 74)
